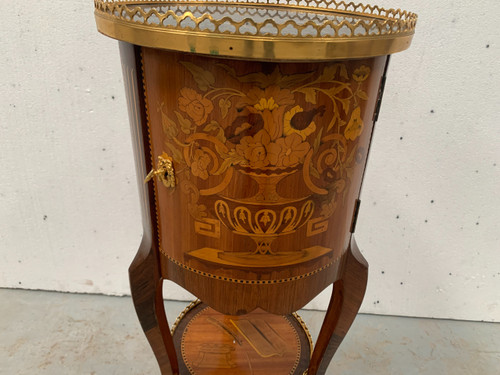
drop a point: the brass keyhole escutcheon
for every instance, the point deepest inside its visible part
(164, 171)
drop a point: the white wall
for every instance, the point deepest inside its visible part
(69, 215)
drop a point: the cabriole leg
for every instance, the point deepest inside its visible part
(146, 287)
(347, 296)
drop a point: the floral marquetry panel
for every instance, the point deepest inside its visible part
(259, 164)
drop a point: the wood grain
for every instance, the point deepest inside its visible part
(146, 290)
(268, 161)
(258, 343)
(347, 296)
(144, 272)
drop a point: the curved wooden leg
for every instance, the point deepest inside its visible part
(348, 293)
(146, 287)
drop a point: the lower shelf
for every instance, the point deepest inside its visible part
(259, 343)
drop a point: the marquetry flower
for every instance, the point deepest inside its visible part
(254, 150)
(200, 163)
(288, 151)
(270, 104)
(280, 97)
(355, 126)
(361, 73)
(296, 124)
(197, 107)
(266, 103)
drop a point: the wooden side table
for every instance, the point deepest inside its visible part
(252, 123)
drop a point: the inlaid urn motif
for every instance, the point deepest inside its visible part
(266, 129)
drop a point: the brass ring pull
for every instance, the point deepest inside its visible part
(164, 171)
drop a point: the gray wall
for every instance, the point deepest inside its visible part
(69, 215)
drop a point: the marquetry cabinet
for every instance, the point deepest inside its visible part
(252, 124)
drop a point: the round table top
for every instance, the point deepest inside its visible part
(270, 30)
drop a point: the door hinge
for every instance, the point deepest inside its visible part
(381, 89)
(355, 215)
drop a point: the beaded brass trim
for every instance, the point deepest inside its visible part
(241, 281)
(289, 30)
(184, 312)
(306, 330)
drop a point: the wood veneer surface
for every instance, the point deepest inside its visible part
(268, 161)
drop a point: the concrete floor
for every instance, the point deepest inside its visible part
(56, 333)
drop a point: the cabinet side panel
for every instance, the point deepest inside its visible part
(135, 104)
